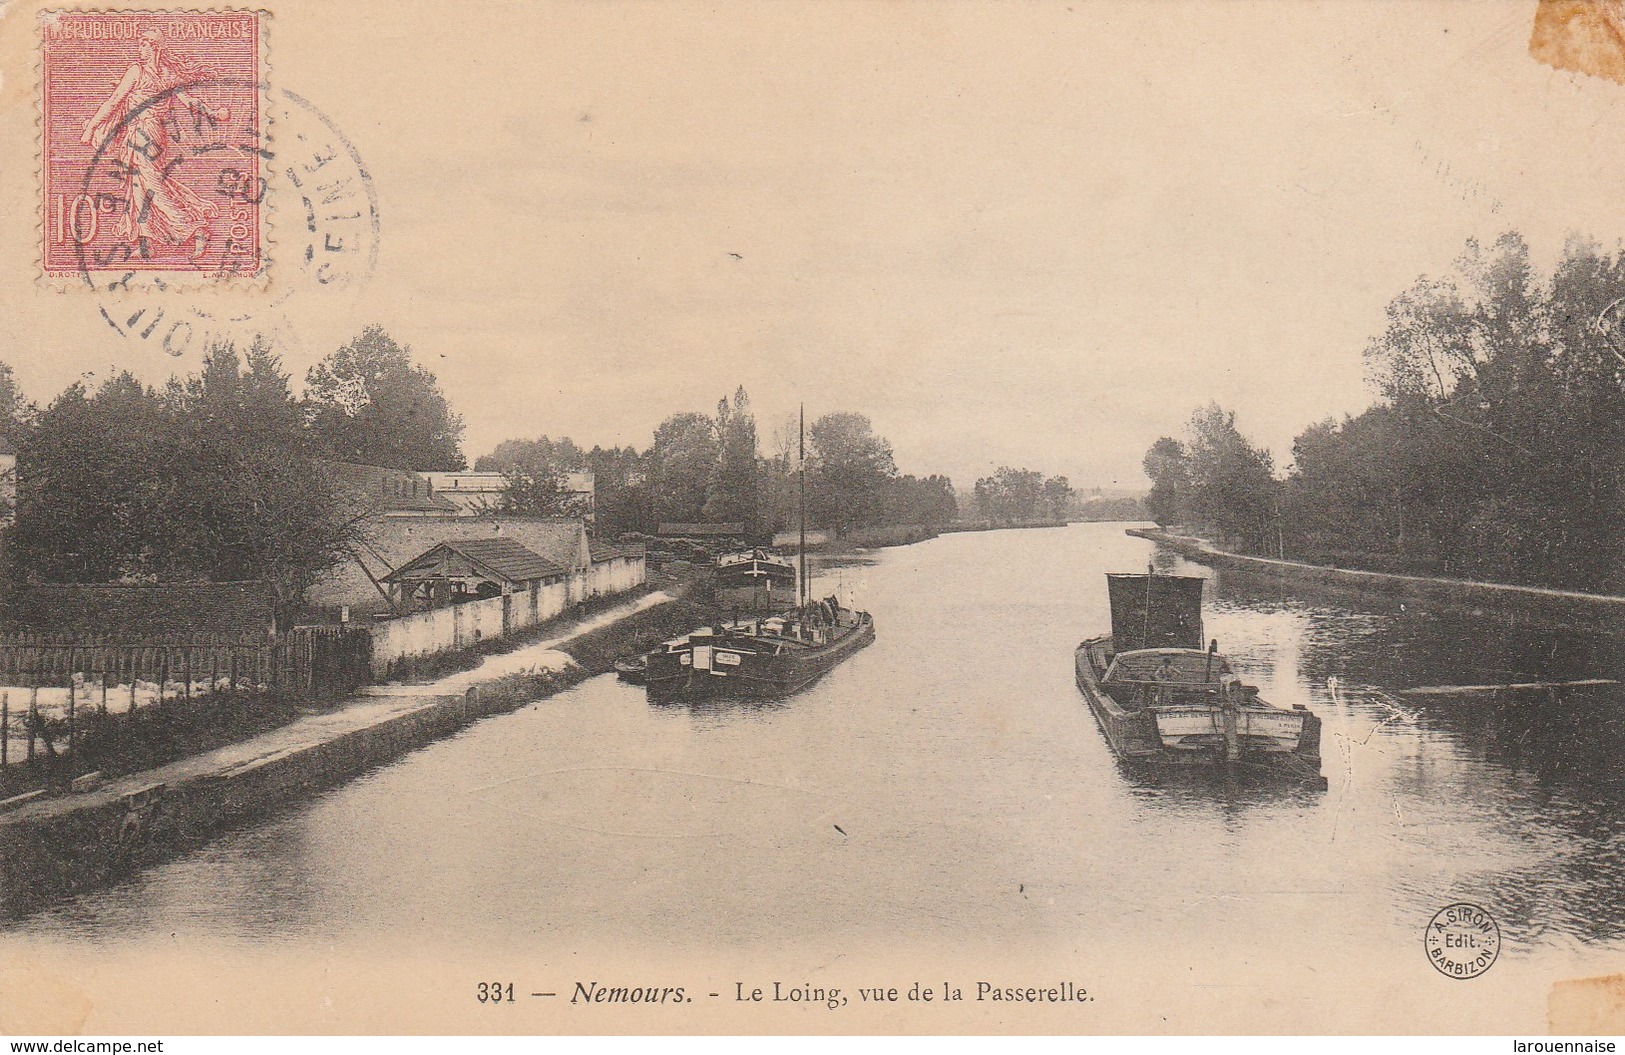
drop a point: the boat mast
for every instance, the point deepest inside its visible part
(801, 552)
(1145, 616)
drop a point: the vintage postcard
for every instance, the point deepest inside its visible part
(1091, 517)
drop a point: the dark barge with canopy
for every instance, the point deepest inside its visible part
(1162, 700)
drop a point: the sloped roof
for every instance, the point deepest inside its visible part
(602, 551)
(502, 558)
(381, 490)
(133, 611)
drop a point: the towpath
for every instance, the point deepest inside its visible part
(538, 656)
(373, 705)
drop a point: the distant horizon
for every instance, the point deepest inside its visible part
(1045, 264)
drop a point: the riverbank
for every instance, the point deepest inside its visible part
(1529, 605)
(999, 525)
(908, 534)
(53, 846)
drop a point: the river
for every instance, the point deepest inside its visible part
(945, 800)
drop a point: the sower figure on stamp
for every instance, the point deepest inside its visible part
(139, 114)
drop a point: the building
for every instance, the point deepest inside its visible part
(462, 594)
(391, 538)
(372, 490)
(469, 570)
(616, 568)
(476, 493)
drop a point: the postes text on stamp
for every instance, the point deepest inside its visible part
(151, 143)
(1462, 941)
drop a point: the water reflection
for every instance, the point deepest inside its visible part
(722, 708)
(948, 785)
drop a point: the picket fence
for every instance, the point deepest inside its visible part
(306, 662)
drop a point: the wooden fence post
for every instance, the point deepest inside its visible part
(73, 701)
(103, 679)
(33, 719)
(186, 671)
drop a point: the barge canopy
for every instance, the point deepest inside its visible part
(1155, 611)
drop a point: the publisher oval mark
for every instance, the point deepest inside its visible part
(1462, 941)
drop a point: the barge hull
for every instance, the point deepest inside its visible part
(1135, 739)
(785, 676)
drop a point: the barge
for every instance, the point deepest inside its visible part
(767, 657)
(1162, 700)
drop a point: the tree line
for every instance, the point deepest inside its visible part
(1495, 450)
(712, 468)
(218, 475)
(215, 476)
(1014, 495)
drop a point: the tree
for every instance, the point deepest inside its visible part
(1012, 494)
(930, 502)
(1058, 496)
(1233, 491)
(734, 489)
(622, 499)
(780, 490)
(1499, 447)
(537, 476)
(15, 411)
(211, 481)
(680, 464)
(241, 497)
(1167, 464)
(89, 486)
(848, 469)
(563, 455)
(369, 402)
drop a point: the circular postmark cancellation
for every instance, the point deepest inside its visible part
(169, 165)
(325, 221)
(1462, 941)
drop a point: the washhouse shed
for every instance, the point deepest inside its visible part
(454, 572)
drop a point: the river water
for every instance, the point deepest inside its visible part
(945, 801)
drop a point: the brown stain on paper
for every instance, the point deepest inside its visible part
(40, 1000)
(1587, 1006)
(1584, 36)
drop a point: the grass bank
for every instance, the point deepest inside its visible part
(1518, 605)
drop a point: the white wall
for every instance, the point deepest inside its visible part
(617, 575)
(466, 625)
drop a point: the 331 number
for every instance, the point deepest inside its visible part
(496, 992)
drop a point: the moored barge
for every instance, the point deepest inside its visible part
(755, 581)
(758, 658)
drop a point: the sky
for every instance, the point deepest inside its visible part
(1035, 234)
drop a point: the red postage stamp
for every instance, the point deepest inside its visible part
(151, 143)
